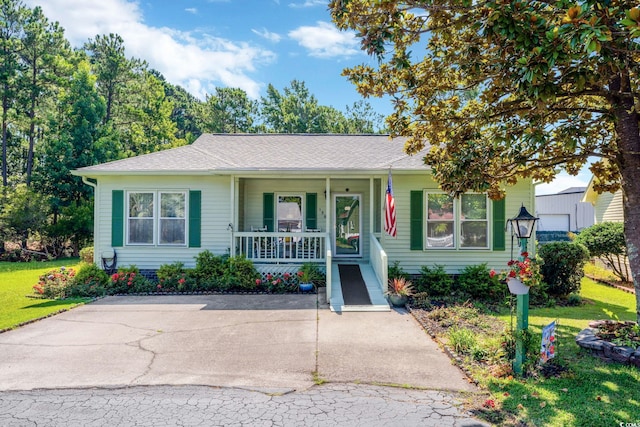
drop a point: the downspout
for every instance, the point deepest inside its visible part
(96, 223)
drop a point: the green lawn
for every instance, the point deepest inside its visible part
(16, 281)
(594, 393)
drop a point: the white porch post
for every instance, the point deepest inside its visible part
(232, 215)
(371, 208)
(329, 246)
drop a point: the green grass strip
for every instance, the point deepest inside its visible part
(16, 282)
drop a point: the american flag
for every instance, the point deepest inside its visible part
(390, 210)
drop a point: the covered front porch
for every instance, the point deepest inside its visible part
(281, 223)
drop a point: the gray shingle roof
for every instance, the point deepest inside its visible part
(270, 152)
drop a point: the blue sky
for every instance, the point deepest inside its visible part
(204, 44)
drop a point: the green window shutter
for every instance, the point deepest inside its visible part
(117, 218)
(312, 211)
(498, 225)
(195, 218)
(416, 228)
(268, 215)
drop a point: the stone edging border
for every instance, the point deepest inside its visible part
(606, 350)
(612, 284)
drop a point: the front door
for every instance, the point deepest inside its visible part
(347, 225)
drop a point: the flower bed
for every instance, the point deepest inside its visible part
(612, 341)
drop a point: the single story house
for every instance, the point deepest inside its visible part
(281, 200)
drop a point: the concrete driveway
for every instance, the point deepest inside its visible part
(263, 342)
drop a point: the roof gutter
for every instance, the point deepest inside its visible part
(249, 171)
(93, 184)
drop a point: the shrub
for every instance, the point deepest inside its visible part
(128, 280)
(241, 274)
(606, 240)
(55, 283)
(435, 281)
(476, 281)
(86, 254)
(90, 281)
(396, 272)
(563, 267)
(210, 268)
(421, 300)
(174, 277)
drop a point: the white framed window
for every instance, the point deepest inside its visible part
(172, 223)
(140, 218)
(289, 212)
(461, 223)
(156, 218)
(441, 224)
(474, 221)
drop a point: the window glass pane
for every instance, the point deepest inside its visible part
(439, 206)
(289, 213)
(474, 206)
(474, 234)
(141, 230)
(172, 205)
(440, 234)
(140, 205)
(172, 231)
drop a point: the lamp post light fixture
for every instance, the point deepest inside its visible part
(522, 227)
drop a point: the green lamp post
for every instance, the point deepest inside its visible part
(522, 227)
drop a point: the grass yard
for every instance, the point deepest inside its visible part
(593, 393)
(16, 281)
(585, 391)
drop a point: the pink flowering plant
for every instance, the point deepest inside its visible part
(278, 283)
(174, 278)
(527, 270)
(128, 280)
(55, 283)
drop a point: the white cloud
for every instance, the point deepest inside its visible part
(192, 10)
(197, 63)
(325, 40)
(309, 3)
(274, 37)
(563, 181)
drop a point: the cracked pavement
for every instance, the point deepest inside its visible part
(226, 360)
(326, 405)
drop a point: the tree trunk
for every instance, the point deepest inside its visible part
(5, 108)
(628, 161)
(32, 121)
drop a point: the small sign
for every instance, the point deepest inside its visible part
(548, 348)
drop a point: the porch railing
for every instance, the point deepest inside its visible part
(281, 247)
(379, 262)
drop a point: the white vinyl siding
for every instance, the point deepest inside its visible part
(456, 259)
(215, 217)
(608, 207)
